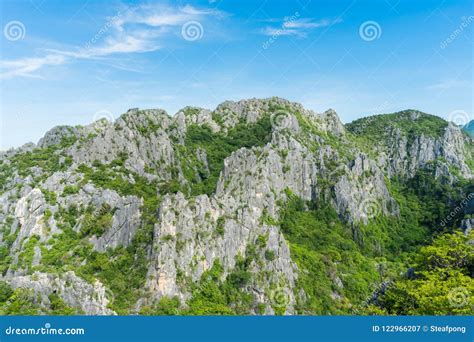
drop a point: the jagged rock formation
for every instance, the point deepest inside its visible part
(415, 140)
(176, 198)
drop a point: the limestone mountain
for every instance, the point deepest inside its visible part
(257, 207)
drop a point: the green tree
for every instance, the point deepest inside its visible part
(443, 283)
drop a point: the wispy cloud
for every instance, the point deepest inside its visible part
(160, 16)
(138, 29)
(27, 66)
(274, 31)
(297, 27)
(449, 84)
(307, 23)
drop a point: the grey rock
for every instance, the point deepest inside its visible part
(90, 299)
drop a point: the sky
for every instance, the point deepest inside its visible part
(72, 62)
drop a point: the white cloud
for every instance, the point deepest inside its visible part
(298, 27)
(307, 23)
(27, 66)
(135, 30)
(273, 31)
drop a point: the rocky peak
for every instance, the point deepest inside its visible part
(413, 140)
(332, 123)
(227, 193)
(56, 135)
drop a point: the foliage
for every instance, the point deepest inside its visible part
(165, 306)
(322, 245)
(214, 296)
(70, 190)
(424, 124)
(59, 307)
(97, 223)
(44, 158)
(5, 292)
(443, 283)
(25, 258)
(327, 250)
(217, 146)
(21, 302)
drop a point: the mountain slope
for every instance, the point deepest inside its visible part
(469, 128)
(257, 207)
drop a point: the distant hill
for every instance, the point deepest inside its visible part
(469, 128)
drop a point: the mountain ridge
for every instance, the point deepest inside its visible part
(205, 211)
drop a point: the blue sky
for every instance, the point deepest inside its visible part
(70, 62)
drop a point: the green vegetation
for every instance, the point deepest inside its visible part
(117, 179)
(97, 223)
(220, 230)
(8, 239)
(25, 258)
(214, 296)
(165, 307)
(322, 246)
(70, 190)
(58, 307)
(217, 146)
(23, 302)
(44, 158)
(340, 264)
(20, 302)
(122, 270)
(374, 127)
(5, 292)
(442, 284)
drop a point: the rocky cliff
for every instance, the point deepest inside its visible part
(220, 212)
